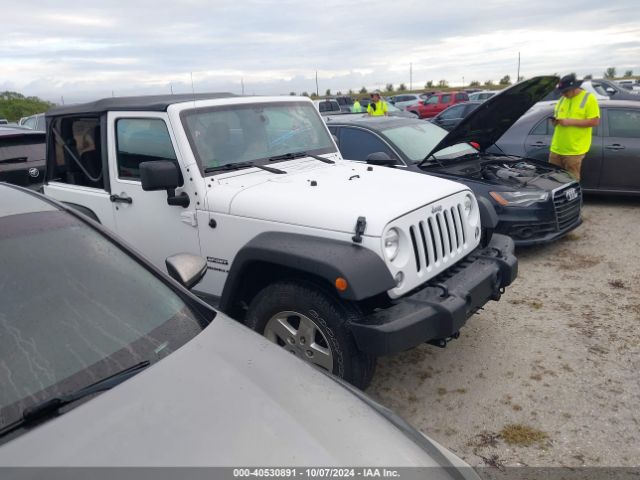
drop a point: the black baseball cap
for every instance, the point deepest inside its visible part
(568, 82)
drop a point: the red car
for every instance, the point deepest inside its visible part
(436, 103)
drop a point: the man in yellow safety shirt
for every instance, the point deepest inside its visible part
(575, 115)
(377, 106)
(356, 107)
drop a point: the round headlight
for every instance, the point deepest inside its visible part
(391, 244)
(468, 205)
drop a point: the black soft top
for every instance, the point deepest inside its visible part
(154, 103)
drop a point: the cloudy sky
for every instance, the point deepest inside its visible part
(85, 50)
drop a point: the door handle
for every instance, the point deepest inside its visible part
(615, 146)
(120, 199)
(539, 144)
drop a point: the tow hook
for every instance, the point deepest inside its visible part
(442, 342)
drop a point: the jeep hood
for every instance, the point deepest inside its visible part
(329, 197)
(487, 123)
(226, 398)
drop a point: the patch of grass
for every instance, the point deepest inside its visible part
(522, 435)
(442, 391)
(412, 398)
(572, 237)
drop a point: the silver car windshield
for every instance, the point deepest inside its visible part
(254, 133)
(75, 308)
(416, 140)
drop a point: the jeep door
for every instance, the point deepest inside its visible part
(142, 218)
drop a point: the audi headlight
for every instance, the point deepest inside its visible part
(519, 199)
(391, 244)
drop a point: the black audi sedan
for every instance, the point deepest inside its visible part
(536, 202)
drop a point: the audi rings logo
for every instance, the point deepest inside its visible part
(571, 194)
(34, 172)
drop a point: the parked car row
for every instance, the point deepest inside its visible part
(334, 253)
(257, 187)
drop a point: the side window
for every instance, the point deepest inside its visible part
(452, 112)
(432, 99)
(542, 128)
(446, 98)
(30, 122)
(624, 123)
(76, 152)
(141, 140)
(356, 144)
(461, 96)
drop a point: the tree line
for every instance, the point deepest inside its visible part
(609, 73)
(14, 106)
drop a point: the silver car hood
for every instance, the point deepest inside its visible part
(226, 398)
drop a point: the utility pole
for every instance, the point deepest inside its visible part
(171, 88)
(62, 99)
(518, 75)
(463, 81)
(242, 84)
(411, 76)
(317, 93)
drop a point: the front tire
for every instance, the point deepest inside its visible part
(313, 325)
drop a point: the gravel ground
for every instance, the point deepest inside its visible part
(548, 376)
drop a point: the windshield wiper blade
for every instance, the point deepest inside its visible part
(428, 158)
(235, 166)
(52, 405)
(291, 156)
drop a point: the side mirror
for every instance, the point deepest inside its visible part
(610, 90)
(186, 268)
(380, 158)
(163, 175)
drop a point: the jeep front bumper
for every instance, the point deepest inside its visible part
(443, 305)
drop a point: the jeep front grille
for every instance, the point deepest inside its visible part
(439, 238)
(567, 206)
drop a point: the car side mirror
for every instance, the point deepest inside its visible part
(163, 175)
(610, 90)
(380, 158)
(186, 268)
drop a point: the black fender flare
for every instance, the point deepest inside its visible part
(365, 272)
(84, 210)
(488, 219)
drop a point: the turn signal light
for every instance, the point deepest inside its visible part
(341, 284)
(498, 198)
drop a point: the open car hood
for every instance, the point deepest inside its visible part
(487, 123)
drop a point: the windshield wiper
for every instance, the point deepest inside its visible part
(428, 158)
(236, 166)
(39, 410)
(291, 156)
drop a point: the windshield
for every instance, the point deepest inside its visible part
(74, 309)
(254, 133)
(416, 140)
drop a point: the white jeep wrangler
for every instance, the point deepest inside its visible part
(336, 262)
